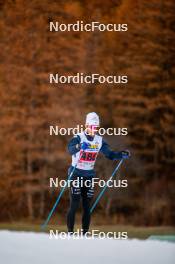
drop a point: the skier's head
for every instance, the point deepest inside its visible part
(92, 123)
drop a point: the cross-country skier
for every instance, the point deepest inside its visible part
(84, 148)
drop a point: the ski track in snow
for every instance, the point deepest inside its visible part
(36, 248)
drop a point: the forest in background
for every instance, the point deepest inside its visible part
(29, 156)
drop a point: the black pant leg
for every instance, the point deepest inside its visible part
(75, 196)
(87, 195)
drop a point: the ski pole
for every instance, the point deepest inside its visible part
(105, 187)
(59, 197)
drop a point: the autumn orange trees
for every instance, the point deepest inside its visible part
(29, 104)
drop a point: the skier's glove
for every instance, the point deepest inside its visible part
(85, 145)
(125, 154)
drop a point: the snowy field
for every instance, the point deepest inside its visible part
(36, 248)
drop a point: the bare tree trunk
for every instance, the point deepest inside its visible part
(28, 188)
(42, 181)
(108, 206)
(29, 202)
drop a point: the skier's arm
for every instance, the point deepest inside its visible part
(74, 145)
(113, 155)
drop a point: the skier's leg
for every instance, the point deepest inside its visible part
(75, 196)
(87, 195)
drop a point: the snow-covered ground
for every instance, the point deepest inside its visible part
(36, 248)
